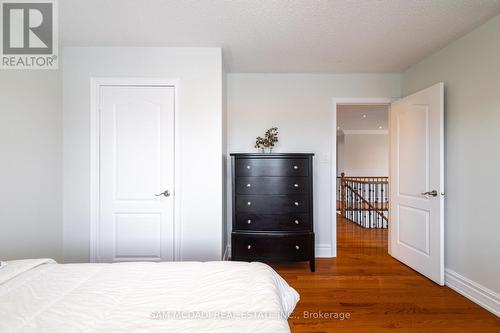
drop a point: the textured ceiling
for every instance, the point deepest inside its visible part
(329, 36)
(351, 117)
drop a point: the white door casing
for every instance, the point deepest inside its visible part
(416, 168)
(136, 163)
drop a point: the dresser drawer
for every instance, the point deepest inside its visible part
(272, 204)
(272, 185)
(272, 167)
(271, 247)
(272, 222)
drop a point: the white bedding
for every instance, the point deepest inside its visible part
(40, 295)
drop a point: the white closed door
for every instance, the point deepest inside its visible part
(417, 182)
(136, 171)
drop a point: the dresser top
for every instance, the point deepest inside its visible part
(271, 155)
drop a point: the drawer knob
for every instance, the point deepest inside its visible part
(249, 203)
(296, 203)
(249, 185)
(248, 166)
(249, 247)
(295, 185)
(297, 247)
(249, 221)
(296, 221)
(295, 167)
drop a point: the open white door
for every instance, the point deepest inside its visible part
(417, 181)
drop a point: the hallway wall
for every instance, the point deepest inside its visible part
(364, 155)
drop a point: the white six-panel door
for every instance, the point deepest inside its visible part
(417, 181)
(136, 154)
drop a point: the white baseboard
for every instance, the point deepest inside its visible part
(477, 293)
(322, 251)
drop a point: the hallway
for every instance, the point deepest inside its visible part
(379, 293)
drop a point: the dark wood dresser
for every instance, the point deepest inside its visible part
(272, 208)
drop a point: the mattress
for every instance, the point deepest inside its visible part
(39, 295)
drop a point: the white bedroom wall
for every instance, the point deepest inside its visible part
(30, 181)
(365, 154)
(301, 106)
(470, 71)
(199, 72)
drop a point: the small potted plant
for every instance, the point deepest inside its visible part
(267, 142)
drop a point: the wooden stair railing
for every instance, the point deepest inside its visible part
(364, 200)
(368, 206)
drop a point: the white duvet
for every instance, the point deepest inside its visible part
(40, 295)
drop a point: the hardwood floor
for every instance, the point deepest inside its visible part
(378, 292)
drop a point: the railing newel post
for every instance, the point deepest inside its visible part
(342, 194)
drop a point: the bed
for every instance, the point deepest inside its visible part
(39, 295)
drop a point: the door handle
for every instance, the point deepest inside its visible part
(164, 193)
(433, 193)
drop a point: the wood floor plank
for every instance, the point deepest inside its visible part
(379, 293)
